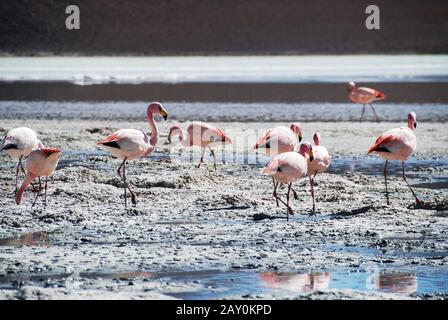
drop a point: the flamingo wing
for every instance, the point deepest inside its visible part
(111, 141)
(201, 133)
(381, 142)
(263, 141)
(287, 163)
(377, 95)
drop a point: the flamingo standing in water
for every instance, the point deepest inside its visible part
(200, 134)
(319, 164)
(397, 144)
(130, 144)
(18, 143)
(40, 163)
(365, 96)
(289, 167)
(277, 140)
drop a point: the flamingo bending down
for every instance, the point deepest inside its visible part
(40, 163)
(130, 144)
(18, 143)
(287, 168)
(200, 134)
(397, 144)
(365, 96)
(278, 140)
(320, 163)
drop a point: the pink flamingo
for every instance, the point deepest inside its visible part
(320, 163)
(397, 144)
(365, 96)
(40, 163)
(130, 144)
(18, 143)
(200, 134)
(289, 167)
(277, 140)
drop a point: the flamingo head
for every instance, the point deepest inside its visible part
(350, 86)
(8, 143)
(316, 138)
(226, 139)
(174, 130)
(306, 150)
(412, 120)
(157, 108)
(295, 127)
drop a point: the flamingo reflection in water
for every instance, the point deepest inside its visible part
(297, 282)
(394, 283)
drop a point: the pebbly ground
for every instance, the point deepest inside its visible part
(85, 245)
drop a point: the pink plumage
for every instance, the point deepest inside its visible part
(364, 96)
(130, 144)
(40, 163)
(287, 168)
(321, 162)
(397, 144)
(200, 134)
(277, 140)
(19, 143)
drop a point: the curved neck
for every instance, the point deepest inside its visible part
(183, 137)
(154, 130)
(28, 179)
(411, 124)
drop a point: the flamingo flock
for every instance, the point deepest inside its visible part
(291, 160)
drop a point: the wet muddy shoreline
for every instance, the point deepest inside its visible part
(189, 221)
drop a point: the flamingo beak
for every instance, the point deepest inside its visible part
(9, 146)
(415, 125)
(311, 155)
(227, 140)
(163, 113)
(169, 138)
(300, 138)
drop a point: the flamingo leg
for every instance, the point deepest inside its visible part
(124, 181)
(19, 165)
(276, 195)
(363, 110)
(212, 152)
(202, 157)
(385, 182)
(126, 186)
(413, 193)
(289, 210)
(374, 112)
(45, 197)
(133, 197)
(37, 194)
(295, 194)
(312, 194)
(275, 191)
